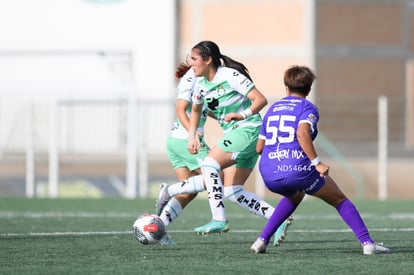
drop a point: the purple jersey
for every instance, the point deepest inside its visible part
(282, 155)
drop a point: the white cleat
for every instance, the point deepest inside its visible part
(373, 248)
(259, 246)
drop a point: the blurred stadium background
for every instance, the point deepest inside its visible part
(87, 88)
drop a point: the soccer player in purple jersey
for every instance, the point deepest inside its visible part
(290, 166)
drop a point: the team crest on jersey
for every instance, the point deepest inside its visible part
(220, 90)
(312, 117)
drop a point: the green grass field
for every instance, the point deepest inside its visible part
(94, 236)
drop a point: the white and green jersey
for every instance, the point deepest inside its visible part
(185, 92)
(227, 93)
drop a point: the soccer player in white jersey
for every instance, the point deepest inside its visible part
(187, 166)
(290, 166)
(228, 92)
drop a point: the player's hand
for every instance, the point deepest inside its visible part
(322, 168)
(193, 144)
(233, 116)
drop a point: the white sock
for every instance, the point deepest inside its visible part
(189, 186)
(171, 211)
(214, 186)
(248, 200)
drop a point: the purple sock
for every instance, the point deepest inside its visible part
(353, 219)
(283, 210)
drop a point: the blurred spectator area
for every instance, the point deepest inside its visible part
(360, 50)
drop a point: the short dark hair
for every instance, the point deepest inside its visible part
(299, 79)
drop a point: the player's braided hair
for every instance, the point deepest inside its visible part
(209, 48)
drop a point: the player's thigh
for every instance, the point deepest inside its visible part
(224, 159)
(330, 192)
(237, 146)
(240, 142)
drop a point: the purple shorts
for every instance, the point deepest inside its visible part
(309, 182)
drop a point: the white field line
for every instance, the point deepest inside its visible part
(57, 214)
(54, 214)
(98, 233)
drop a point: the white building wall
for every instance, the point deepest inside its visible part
(86, 50)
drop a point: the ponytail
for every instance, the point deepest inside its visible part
(181, 70)
(231, 63)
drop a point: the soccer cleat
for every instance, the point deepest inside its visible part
(280, 233)
(163, 198)
(259, 246)
(213, 227)
(166, 240)
(373, 248)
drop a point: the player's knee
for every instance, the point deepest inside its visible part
(210, 162)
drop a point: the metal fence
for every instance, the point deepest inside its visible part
(57, 129)
(115, 139)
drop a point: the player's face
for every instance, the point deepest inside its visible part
(198, 64)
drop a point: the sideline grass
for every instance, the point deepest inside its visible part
(94, 236)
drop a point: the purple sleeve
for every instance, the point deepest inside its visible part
(309, 115)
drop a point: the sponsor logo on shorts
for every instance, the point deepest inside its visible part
(310, 188)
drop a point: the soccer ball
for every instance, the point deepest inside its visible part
(149, 229)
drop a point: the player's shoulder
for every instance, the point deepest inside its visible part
(234, 78)
(189, 76)
(227, 72)
(309, 104)
(188, 81)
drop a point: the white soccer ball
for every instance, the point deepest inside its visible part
(149, 229)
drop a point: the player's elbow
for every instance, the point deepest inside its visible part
(259, 146)
(263, 102)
